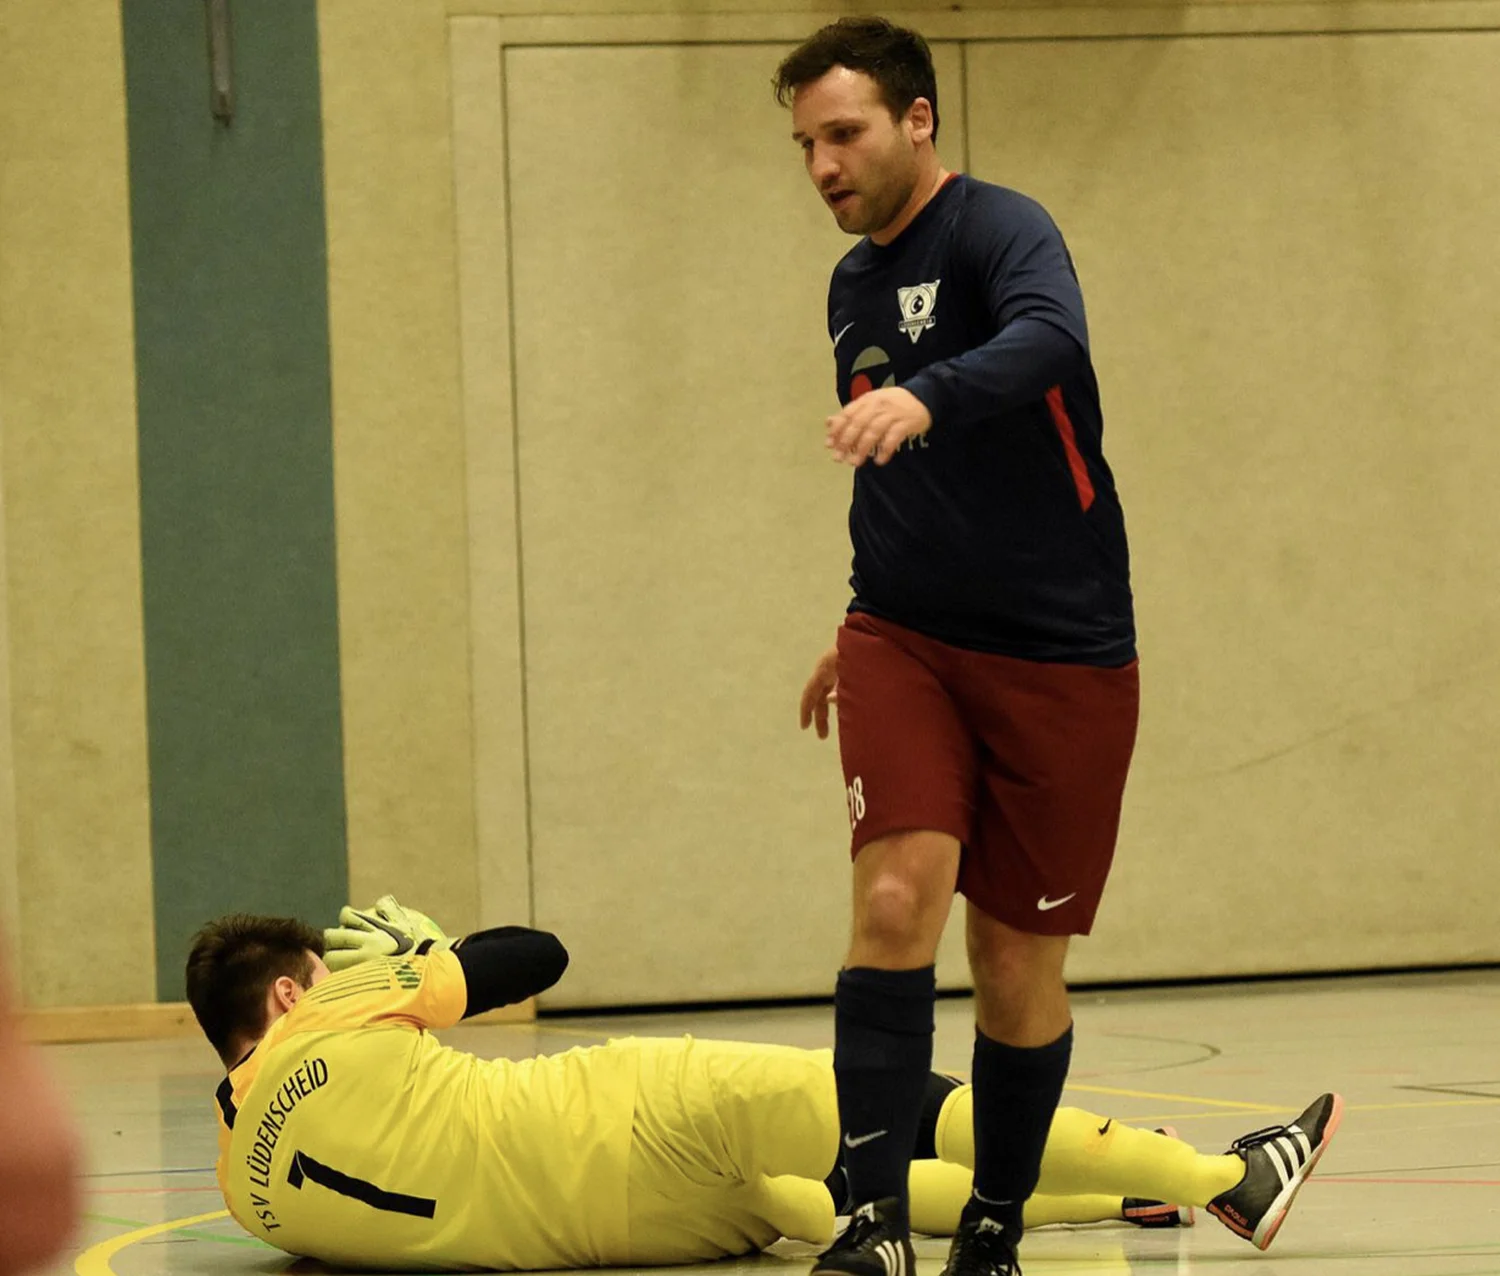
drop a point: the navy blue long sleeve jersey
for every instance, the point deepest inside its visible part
(999, 529)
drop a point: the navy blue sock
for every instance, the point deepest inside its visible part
(1016, 1090)
(837, 1184)
(939, 1087)
(882, 1057)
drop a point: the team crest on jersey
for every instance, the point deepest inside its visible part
(918, 306)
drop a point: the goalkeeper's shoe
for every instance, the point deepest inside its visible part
(1144, 1213)
(385, 929)
(1277, 1163)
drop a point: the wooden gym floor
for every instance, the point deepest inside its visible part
(1409, 1187)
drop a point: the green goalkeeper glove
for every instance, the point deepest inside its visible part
(386, 929)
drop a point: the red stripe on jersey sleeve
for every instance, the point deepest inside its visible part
(1064, 424)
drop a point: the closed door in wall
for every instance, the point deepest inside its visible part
(682, 535)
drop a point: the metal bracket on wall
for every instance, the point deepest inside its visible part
(220, 62)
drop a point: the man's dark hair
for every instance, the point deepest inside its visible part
(234, 961)
(898, 60)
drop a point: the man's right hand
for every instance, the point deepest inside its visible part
(821, 691)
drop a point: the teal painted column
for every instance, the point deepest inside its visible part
(236, 459)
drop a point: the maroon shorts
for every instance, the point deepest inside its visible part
(1023, 762)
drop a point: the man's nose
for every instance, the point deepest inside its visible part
(822, 167)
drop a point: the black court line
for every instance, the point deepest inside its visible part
(1207, 1049)
(1459, 1088)
(1417, 1169)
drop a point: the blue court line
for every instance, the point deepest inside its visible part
(122, 1174)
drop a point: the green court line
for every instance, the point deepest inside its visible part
(217, 1237)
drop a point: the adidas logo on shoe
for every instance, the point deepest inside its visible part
(982, 1246)
(877, 1242)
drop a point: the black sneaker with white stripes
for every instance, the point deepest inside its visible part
(982, 1247)
(877, 1242)
(1277, 1163)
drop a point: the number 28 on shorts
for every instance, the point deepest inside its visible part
(856, 795)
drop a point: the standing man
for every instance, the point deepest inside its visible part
(986, 671)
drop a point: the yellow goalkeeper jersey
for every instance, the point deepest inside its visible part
(349, 1134)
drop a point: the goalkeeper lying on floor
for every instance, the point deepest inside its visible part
(350, 1135)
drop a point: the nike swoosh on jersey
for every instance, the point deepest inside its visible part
(851, 1142)
(839, 335)
(1046, 905)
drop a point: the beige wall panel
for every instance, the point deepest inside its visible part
(10, 868)
(504, 852)
(1287, 246)
(683, 537)
(77, 717)
(398, 455)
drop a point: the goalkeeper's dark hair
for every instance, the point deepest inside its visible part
(234, 961)
(896, 58)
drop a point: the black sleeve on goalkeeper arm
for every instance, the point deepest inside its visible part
(508, 964)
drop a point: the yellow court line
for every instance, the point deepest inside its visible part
(1417, 1103)
(1170, 1118)
(1176, 1118)
(1179, 1098)
(94, 1261)
(1235, 1107)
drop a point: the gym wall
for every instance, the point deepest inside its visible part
(75, 848)
(417, 486)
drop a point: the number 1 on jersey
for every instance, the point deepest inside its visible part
(304, 1167)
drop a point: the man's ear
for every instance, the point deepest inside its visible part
(285, 993)
(919, 120)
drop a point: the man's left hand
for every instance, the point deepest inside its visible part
(875, 425)
(385, 929)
